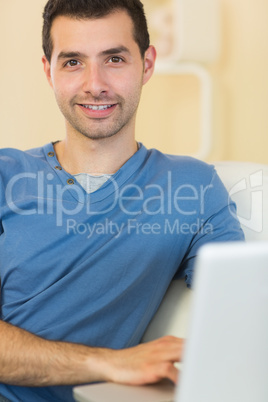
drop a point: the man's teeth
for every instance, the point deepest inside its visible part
(104, 107)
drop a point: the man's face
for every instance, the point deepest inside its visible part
(97, 73)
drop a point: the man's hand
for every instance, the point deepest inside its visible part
(146, 363)
(28, 360)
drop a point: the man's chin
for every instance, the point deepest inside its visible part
(99, 135)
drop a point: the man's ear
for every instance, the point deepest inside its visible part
(47, 70)
(149, 63)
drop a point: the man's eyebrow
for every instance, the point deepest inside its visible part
(69, 55)
(114, 50)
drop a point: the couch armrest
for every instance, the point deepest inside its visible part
(172, 316)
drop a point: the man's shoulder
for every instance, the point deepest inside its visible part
(181, 165)
(18, 153)
(13, 160)
(9, 155)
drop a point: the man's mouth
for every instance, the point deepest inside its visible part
(97, 107)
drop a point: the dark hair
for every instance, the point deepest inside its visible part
(86, 9)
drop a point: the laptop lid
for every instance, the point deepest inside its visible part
(226, 355)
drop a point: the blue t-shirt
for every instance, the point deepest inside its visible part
(93, 268)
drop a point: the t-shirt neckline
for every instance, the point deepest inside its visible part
(108, 188)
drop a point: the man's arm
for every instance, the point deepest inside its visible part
(27, 360)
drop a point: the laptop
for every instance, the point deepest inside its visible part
(226, 354)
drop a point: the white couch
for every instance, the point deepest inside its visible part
(247, 184)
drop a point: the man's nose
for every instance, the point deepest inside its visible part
(95, 80)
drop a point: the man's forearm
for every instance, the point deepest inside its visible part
(27, 360)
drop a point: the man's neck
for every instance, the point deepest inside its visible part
(96, 157)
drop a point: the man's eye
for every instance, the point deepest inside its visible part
(115, 59)
(72, 63)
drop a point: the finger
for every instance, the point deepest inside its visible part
(171, 372)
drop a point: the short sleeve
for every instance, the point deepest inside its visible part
(220, 224)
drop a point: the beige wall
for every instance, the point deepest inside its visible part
(169, 114)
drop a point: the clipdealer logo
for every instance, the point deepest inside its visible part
(254, 188)
(49, 198)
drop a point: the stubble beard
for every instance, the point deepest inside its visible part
(101, 128)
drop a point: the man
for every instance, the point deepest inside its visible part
(94, 228)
